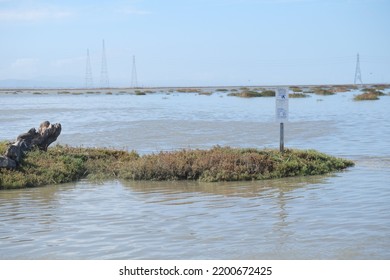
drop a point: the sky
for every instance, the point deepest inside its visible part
(44, 43)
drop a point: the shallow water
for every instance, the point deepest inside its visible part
(341, 216)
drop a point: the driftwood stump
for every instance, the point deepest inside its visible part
(47, 133)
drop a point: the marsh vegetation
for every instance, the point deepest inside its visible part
(298, 95)
(62, 164)
(323, 91)
(247, 93)
(369, 94)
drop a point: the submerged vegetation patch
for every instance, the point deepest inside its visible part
(371, 93)
(139, 92)
(374, 91)
(381, 86)
(61, 164)
(253, 93)
(298, 95)
(205, 93)
(323, 91)
(295, 89)
(366, 96)
(188, 90)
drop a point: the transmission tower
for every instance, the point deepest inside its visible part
(358, 74)
(134, 82)
(104, 82)
(88, 73)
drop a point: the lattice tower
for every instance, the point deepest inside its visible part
(134, 81)
(104, 81)
(358, 74)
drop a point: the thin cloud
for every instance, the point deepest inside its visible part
(24, 63)
(68, 61)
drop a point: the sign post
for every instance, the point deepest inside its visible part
(281, 95)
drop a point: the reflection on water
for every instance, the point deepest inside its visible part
(140, 219)
(249, 189)
(298, 218)
(341, 216)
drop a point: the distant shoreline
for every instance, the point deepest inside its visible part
(162, 88)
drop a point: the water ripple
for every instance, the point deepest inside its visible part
(340, 216)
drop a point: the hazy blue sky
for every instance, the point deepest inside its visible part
(196, 42)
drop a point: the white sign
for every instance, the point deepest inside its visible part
(281, 105)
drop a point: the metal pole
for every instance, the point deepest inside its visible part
(281, 137)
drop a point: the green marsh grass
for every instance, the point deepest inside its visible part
(61, 164)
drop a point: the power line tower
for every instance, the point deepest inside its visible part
(134, 82)
(104, 82)
(358, 74)
(88, 73)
